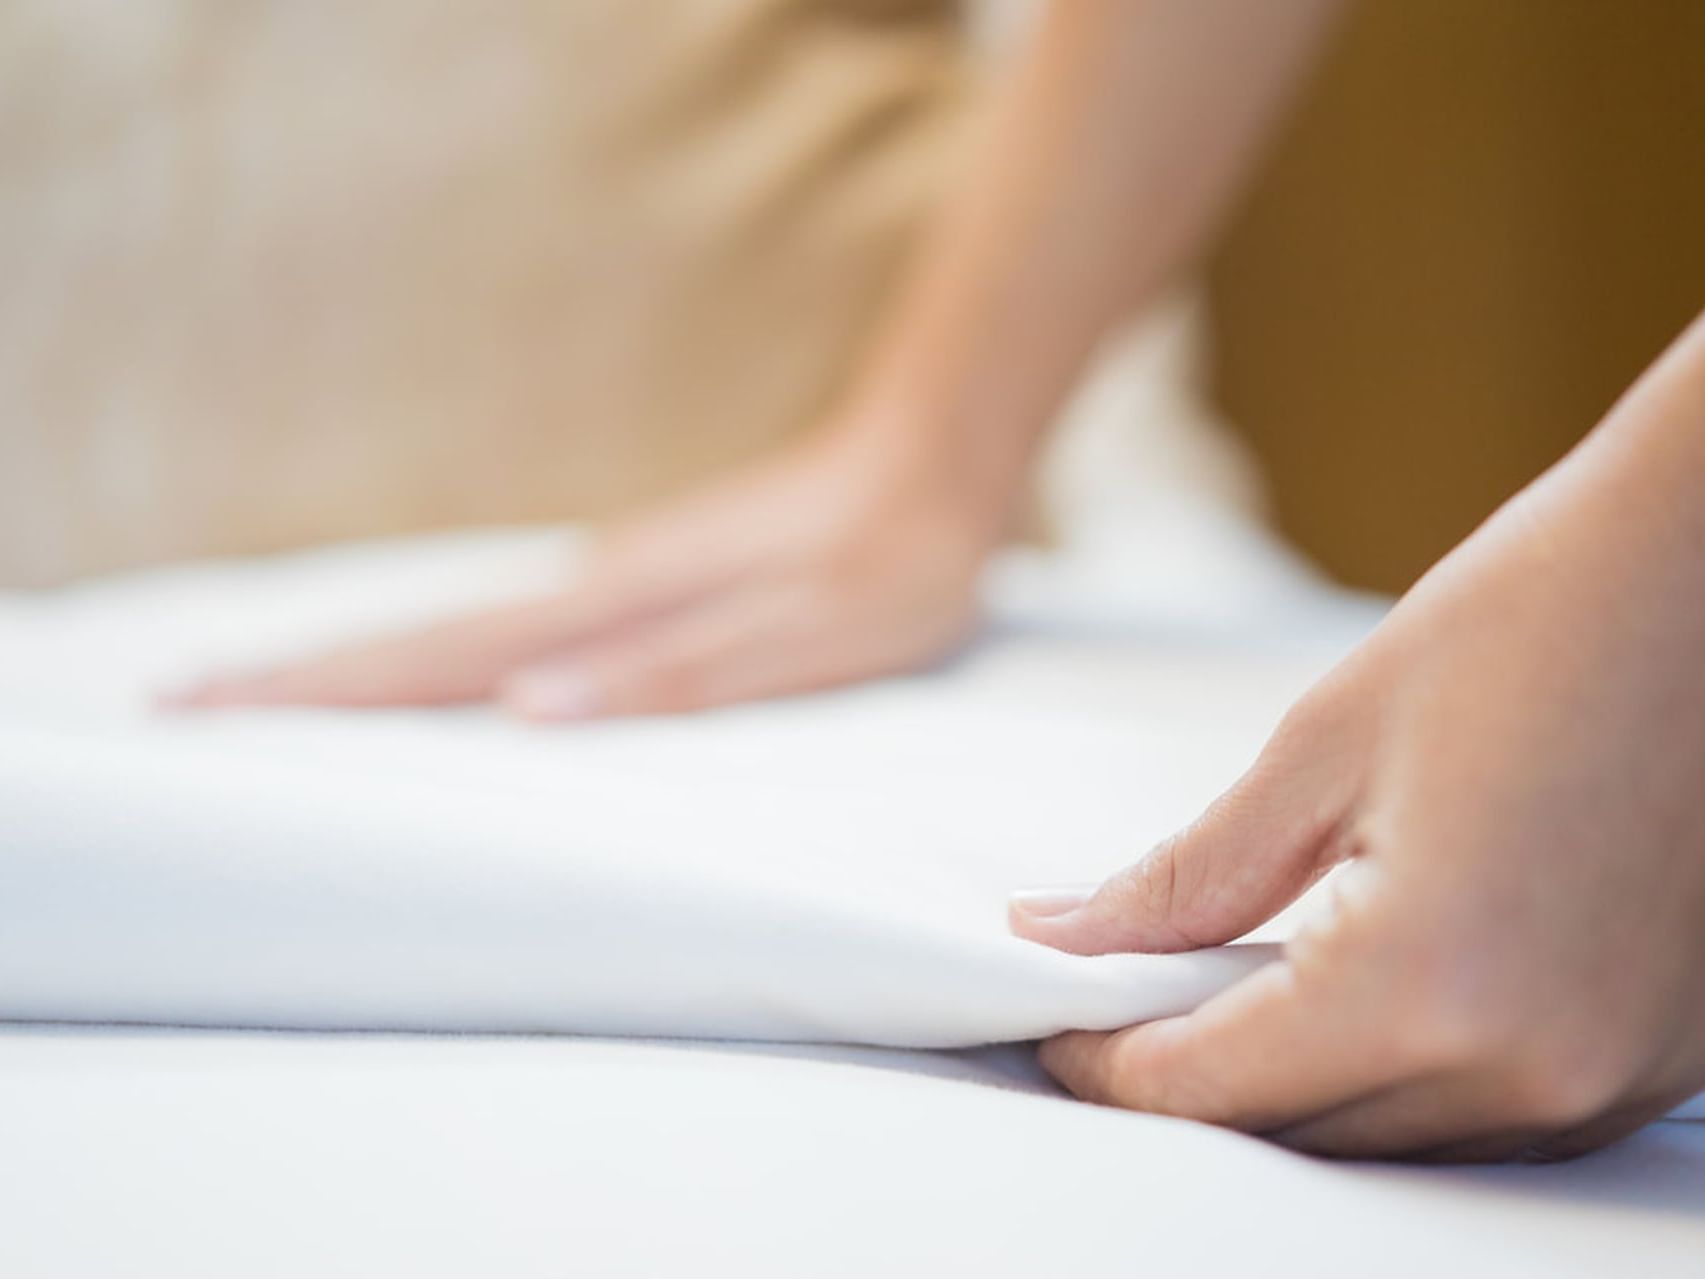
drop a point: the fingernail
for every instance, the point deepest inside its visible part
(1045, 903)
(552, 695)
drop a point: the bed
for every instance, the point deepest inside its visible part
(432, 994)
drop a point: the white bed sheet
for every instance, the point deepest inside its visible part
(219, 1152)
(192, 1153)
(831, 869)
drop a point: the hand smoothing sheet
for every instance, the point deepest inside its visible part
(829, 869)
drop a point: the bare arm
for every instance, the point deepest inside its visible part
(1114, 148)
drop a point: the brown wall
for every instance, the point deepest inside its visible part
(1485, 218)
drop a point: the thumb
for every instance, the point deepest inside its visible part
(1251, 854)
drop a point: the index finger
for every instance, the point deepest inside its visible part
(1270, 1051)
(460, 660)
(464, 659)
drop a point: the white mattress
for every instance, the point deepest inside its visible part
(831, 868)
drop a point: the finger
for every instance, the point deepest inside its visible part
(1500, 1147)
(1603, 1131)
(455, 661)
(1248, 856)
(464, 659)
(1468, 1116)
(1455, 1119)
(1267, 1053)
(1460, 1119)
(732, 648)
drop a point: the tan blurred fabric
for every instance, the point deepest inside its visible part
(283, 272)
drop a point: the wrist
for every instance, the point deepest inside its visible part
(936, 457)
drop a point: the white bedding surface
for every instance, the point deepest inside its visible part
(831, 869)
(189, 1154)
(1089, 723)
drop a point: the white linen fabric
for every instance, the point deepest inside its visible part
(183, 1154)
(896, 818)
(827, 869)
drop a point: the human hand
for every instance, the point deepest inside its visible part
(849, 557)
(1513, 768)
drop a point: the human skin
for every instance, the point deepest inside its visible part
(1112, 150)
(1512, 771)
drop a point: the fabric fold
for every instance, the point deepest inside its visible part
(153, 877)
(830, 869)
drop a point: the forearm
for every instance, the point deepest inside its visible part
(1114, 148)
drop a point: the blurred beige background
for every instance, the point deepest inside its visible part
(1487, 216)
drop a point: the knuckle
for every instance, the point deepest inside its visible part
(1300, 730)
(1150, 890)
(1443, 1010)
(1153, 881)
(1438, 1027)
(1142, 1074)
(1328, 725)
(1173, 892)
(1533, 1079)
